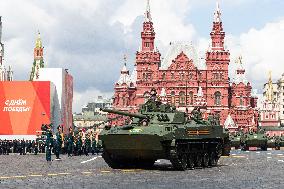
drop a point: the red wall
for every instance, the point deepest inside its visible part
(24, 107)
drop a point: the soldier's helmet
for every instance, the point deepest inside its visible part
(153, 91)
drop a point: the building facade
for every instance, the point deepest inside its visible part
(277, 94)
(95, 106)
(186, 81)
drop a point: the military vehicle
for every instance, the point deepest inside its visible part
(159, 131)
(254, 139)
(236, 140)
(273, 142)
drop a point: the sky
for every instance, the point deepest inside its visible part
(90, 37)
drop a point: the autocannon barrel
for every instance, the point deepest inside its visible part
(140, 116)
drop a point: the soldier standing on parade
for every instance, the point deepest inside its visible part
(79, 143)
(70, 142)
(35, 147)
(49, 142)
(58, 142)
(0, 147)
(87, 144)
(23, 147)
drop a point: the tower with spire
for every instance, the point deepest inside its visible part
(147, 58)
(217, 61)
(38, 59)
(242, 101)
(270, 108)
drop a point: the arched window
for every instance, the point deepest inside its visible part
(217, 97)
(181, 76)
(164, 76)
(173, 100)
(190, 98)
(241, 101)
(181, 98)
(190, 76)
(123, 101)
(172, 76)
(144, 76)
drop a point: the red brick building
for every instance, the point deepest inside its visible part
(186, 81)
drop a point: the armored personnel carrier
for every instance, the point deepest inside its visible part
(236, 140)
(254, 139)
(159, 131)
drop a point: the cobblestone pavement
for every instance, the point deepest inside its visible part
(240, 170)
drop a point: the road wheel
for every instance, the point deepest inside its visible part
(264, 148)
(183, 162)
(213, 159)
(205, 160)
(198, 160)
(190, 161)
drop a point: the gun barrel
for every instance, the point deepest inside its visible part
(140, 116)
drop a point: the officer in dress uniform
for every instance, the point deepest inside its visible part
(70, 142)
(49, 142)
(58, 142)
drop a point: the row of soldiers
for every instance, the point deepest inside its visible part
(72, 144)
(21, 146)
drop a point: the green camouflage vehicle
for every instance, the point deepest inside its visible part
(236, 140)
(281, 141)
(254, 139)
(273, 142)
(159, 131)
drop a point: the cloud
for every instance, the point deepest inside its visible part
(262, 51)
(90, 37)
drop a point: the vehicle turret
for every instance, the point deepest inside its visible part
(140, 116)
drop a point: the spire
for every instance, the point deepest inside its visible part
(239, 72)
(124, 74)
(148, 33)
(125, 59)
(148, 17)
(217, 34)
(217, 13)
(38, 41)
(269, 90)
(240, 68)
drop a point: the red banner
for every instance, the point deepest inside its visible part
(24, 107)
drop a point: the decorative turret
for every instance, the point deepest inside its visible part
(124, 74)
(269, 91)
(240, 72)
(217, 34)
(148, 33)
(38, 59)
